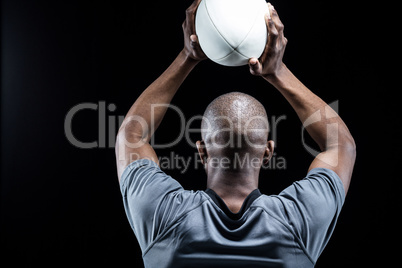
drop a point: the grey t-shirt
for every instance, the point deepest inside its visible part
(181, 228)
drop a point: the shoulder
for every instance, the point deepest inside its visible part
(320, 184)
(145, 176)
(320, 194)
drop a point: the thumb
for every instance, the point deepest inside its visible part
(255, 66)
(194, 41)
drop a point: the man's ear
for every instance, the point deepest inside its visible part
(269, 151)
(202, 151)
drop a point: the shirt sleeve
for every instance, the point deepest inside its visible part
(312, 207)
(144, 186)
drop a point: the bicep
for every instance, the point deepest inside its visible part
(340, 159)
(129, 149)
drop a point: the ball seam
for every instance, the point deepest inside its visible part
(216, 28)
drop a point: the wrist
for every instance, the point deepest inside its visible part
(279, 76)
(187, 58)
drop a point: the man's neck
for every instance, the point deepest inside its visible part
(233, 187)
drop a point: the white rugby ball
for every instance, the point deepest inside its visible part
(230, 32)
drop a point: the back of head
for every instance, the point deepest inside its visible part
(234, 125)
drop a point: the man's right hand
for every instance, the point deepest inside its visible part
(270, 63)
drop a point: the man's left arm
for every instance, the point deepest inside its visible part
(148, 110)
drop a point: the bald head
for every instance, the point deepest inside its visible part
(235, 123)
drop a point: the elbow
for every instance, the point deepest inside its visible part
(129, 137)
(133, 130)
(349, 145)
(118, 141)
(347, 141)
(353, 147)
(350, 141)
(344, 144)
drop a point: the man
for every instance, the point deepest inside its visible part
(232, 224)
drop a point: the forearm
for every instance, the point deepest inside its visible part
(148, 110)
(313, 112)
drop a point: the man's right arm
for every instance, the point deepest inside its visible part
(338, 149)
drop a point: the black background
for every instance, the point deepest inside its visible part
(61, 205)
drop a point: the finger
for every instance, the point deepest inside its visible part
(195, 45)
(269, 10)
(255, 66)
(275, 17)
(193, 7)
(272, 33)
(194, 41)
(190, 15)
(195, 4)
